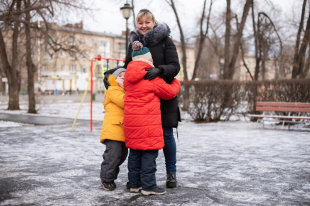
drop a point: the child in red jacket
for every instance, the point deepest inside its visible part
(142, 120)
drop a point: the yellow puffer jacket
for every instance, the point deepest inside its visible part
(112, 126)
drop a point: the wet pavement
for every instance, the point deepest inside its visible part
(226, 163)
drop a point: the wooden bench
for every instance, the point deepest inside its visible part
(290, 107)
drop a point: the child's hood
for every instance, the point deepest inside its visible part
(136, 70)
(113, 84)
(112, 80)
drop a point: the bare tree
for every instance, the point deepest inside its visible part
(14, 14)
(268, 41)
(182, 38)
(244, 62)
(11, 15)
(133, 13)
(300, 48)
(229, 72)
(202, 35)
(307, 65)
(30, 66)
(257, 56)
(227, 39)
(184, 56)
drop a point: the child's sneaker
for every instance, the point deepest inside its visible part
(109, 186)
(135, 190)
(155, 190)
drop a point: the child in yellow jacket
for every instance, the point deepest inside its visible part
(112, 132)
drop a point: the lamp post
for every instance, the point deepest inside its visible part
(126, 11)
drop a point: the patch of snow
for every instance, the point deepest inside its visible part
(10, 124)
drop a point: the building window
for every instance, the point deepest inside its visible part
(91, 43)
(45, 68)
(72, 41)
(72, 68)
(63, 67)
(122, 46)
(91, 55)
(100, 43)
(107, 49)
(63, 54)
(72, 54)
(121, 51)
(46, 54)
(82, 41)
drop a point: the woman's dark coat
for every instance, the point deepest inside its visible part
(165, 58)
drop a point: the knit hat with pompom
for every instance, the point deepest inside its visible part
(141, 53)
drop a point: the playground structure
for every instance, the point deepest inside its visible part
(90, 83)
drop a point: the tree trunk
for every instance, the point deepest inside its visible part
(298, 67)
(227, 41)
(307, 66)
(182, 38)
(11, 69)
(13, 96)
(29, 63)
(257, 56)
(264, 59)
(202, 36)
(133, 13)
(297, 45)
(235, 51)
(14, 92)
(184, 58)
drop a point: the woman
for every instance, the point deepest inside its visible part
(155, 36)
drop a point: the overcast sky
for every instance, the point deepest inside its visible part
(107, 16)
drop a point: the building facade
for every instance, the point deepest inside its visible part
(69, 70)
(63, 60)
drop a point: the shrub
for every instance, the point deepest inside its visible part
(212, 101)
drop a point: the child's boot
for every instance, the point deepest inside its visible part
(171, 180)
(109, 186)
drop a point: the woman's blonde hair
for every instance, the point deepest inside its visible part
(146, 12)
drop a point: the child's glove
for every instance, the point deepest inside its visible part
(152, 73)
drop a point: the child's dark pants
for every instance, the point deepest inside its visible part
(114, 155)
(142, 168)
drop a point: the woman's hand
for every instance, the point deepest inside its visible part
(152, 73)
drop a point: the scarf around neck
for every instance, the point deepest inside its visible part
(153, 37)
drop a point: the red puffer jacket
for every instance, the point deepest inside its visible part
(142, 117)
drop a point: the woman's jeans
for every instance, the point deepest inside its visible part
(170, 150)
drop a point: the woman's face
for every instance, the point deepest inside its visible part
(145, 24)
